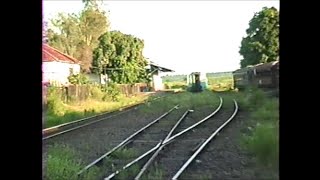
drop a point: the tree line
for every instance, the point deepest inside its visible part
(87, 37)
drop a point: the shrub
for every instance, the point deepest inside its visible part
(54, 102)
(264, 143)
(96, 93)
(112, 92)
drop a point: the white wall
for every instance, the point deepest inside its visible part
(157, 82)
(58, 71)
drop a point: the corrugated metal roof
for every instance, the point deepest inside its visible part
(50, 54)
(266, 66)
(163, 69)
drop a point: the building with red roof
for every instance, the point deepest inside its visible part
(57, 66)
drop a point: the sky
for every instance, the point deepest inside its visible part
(186, 36)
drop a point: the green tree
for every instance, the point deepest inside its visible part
(66, 33)
(262, 41)
(90, 2)
(120, 56)
(77, 35)
(93, 23)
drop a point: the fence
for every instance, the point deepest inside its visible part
(128, 89)
(82, 92)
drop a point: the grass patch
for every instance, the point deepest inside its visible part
(249, 100)
(219, 84)
(263, 140)
(154, 172)
(175, 85)
(59, 112)
(63, 164)
(129, 173)
(124, 153)
(264, 143)
(268, 112)
(186, 100)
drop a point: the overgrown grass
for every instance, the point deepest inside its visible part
(176, 85)
(249, 100)
(154, 172)
(124, 153)
(127, 154)
(59, 112)
(269, 112)
(263, 141)
(224, 83)
(63, 163)
(129, 173)
(184, 99)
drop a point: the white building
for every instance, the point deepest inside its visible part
(57, 66)
(155, 70)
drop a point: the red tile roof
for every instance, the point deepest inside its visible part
(50, 54)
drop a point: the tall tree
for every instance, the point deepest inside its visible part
(120, 56)
(262, 41)
(77, 35)
(93, 23)
(91, 2)
(66, 34)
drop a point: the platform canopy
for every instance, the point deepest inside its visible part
(153, 67)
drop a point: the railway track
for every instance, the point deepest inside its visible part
(173, 142)
(169, 139)
(177, 154)
(124, 142)
(204, 144)
(55, 131)
(147, 142)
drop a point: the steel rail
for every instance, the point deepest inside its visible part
(186, 164)
(133, 162)
(128, 108)
(148, 163)
(194, 125)
(127, 139)
(137, 159)
(168, 140)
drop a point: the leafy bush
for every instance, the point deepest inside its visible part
(78, 79)
(112, 92)
(54, 102)
(96, 93)
(264, 143)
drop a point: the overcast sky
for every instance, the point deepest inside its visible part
(185, 36)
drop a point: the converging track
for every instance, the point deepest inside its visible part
(172, 141)
(177, 145)
(165, 141)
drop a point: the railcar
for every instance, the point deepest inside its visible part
(264, 76)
